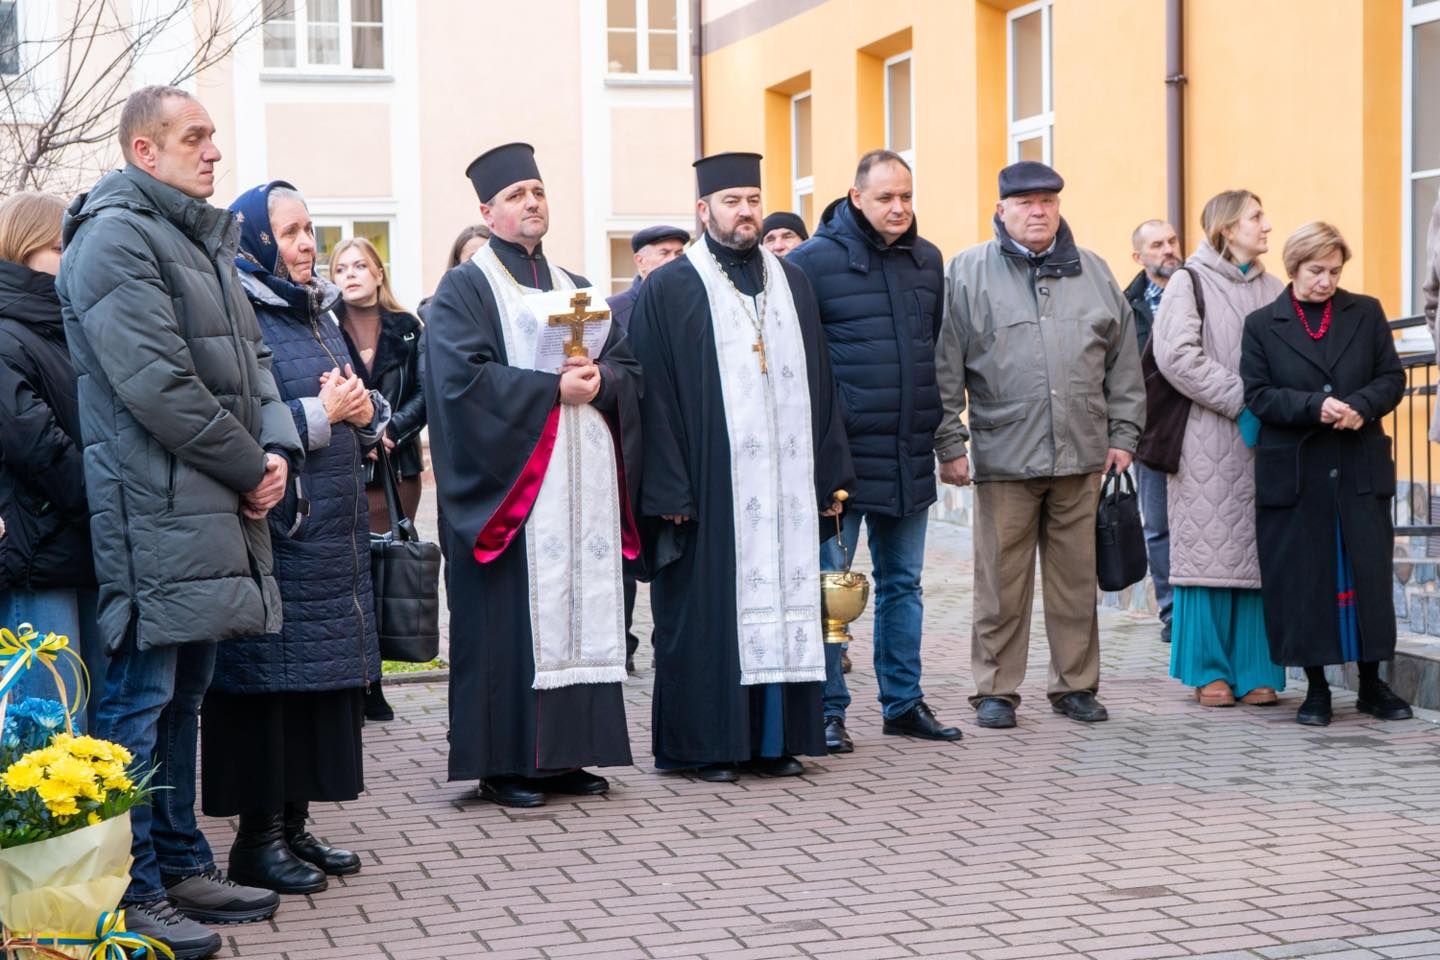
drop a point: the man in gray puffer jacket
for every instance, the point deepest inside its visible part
(1038, 342)
(187, 447)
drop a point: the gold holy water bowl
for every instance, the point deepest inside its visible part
(843, 597)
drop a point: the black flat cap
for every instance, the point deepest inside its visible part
(1029, 176)
(784, 219)
(496, 169)
(724, 171)
(643, 238)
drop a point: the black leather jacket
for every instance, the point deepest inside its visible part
(395, 372)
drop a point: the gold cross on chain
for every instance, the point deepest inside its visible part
(576, 320)
(759, 348)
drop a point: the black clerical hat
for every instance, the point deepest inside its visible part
(787, 220)
(496, 169)
(643, 238)
(724, 171)
(1029, 176)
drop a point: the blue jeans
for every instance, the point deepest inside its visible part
(69, 613)
(897, 554)
(1154, 513)
(151, 705)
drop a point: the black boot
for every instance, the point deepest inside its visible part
(1315, 711)
(377, 708)
(305, 845)
(260, 858)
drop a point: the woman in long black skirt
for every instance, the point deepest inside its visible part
(281, 723)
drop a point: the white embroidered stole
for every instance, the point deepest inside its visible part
(772, 476)
(572, 538)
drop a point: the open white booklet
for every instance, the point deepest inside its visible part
(557, 313)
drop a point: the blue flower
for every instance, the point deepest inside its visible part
(31, 723)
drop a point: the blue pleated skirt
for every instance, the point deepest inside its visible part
(1219, 634)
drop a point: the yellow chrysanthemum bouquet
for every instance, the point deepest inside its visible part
(64, 815)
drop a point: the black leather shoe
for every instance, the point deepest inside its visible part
(377, 708)
(305, 845)
(576, 783)
(919, 721)
(511, 792)
(1081, 706)
(836, 739)
(995, 713)
(717, 773)
(1315, 711)
(776, 766)
(260, 858)
(1382, 703)
(630, 665)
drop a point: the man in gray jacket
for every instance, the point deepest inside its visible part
(187, 447)
(1037, 342)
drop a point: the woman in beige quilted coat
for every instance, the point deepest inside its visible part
(1219, 644)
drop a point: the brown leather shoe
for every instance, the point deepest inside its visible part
(1261, 697)
(1216, 693)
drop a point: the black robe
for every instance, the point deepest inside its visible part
(700, 712)
(485, 420)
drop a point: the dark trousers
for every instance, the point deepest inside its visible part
(632, 642)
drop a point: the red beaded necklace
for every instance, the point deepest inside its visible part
(1324, 318)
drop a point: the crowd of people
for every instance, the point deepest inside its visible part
(199, 421)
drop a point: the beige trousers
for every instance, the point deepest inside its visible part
(1012, 518)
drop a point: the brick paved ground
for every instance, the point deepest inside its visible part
(1170, 831)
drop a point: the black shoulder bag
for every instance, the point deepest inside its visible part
(405, 572)
(1166, 409)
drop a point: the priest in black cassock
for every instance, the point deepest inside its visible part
(745, 449)
(535, 471)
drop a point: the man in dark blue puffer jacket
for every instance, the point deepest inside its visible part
(881, 289)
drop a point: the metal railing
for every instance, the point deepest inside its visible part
(1418, 513)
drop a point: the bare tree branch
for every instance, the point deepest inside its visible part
(64, 104)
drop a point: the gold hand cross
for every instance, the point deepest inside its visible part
(576, 320)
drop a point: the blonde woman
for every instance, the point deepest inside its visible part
(47, 575)
(384, 343)
(1321, 372)
(1218, 628)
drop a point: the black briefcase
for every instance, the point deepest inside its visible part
(405, 573)
(1119, 535)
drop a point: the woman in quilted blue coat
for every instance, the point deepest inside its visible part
(283, 716)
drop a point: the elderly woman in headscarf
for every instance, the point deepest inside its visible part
(283, 715)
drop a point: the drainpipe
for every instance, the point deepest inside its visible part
(1175, 81)
(695, 50)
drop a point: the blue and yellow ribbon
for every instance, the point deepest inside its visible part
(21, 650)
(111, 941)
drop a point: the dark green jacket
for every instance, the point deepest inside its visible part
(177, 410)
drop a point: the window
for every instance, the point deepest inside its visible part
(329, 231)
(1422, 141)
(900, 108)
(9, 39)
(328, 35)
(622, 264)
(802, 171)
(647, 37)
(1029, 112)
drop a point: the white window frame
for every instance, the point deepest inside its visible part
(801, 186)
(908, 154)
(345, 67)
(1414, 17)
(631, 272)
(642, 50)
(1042, 123)
(346, 223)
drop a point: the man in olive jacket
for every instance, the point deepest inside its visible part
(1037, 342)
(187, 447)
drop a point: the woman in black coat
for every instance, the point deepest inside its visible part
(47, 575)
(283, 715)
(1320, 372)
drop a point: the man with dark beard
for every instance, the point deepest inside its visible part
(745, 450)
(1157, 251)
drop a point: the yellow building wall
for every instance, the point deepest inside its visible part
(1298, 100)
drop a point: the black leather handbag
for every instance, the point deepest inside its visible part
(1119, 535)
(405, 572)
(1167, 410)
